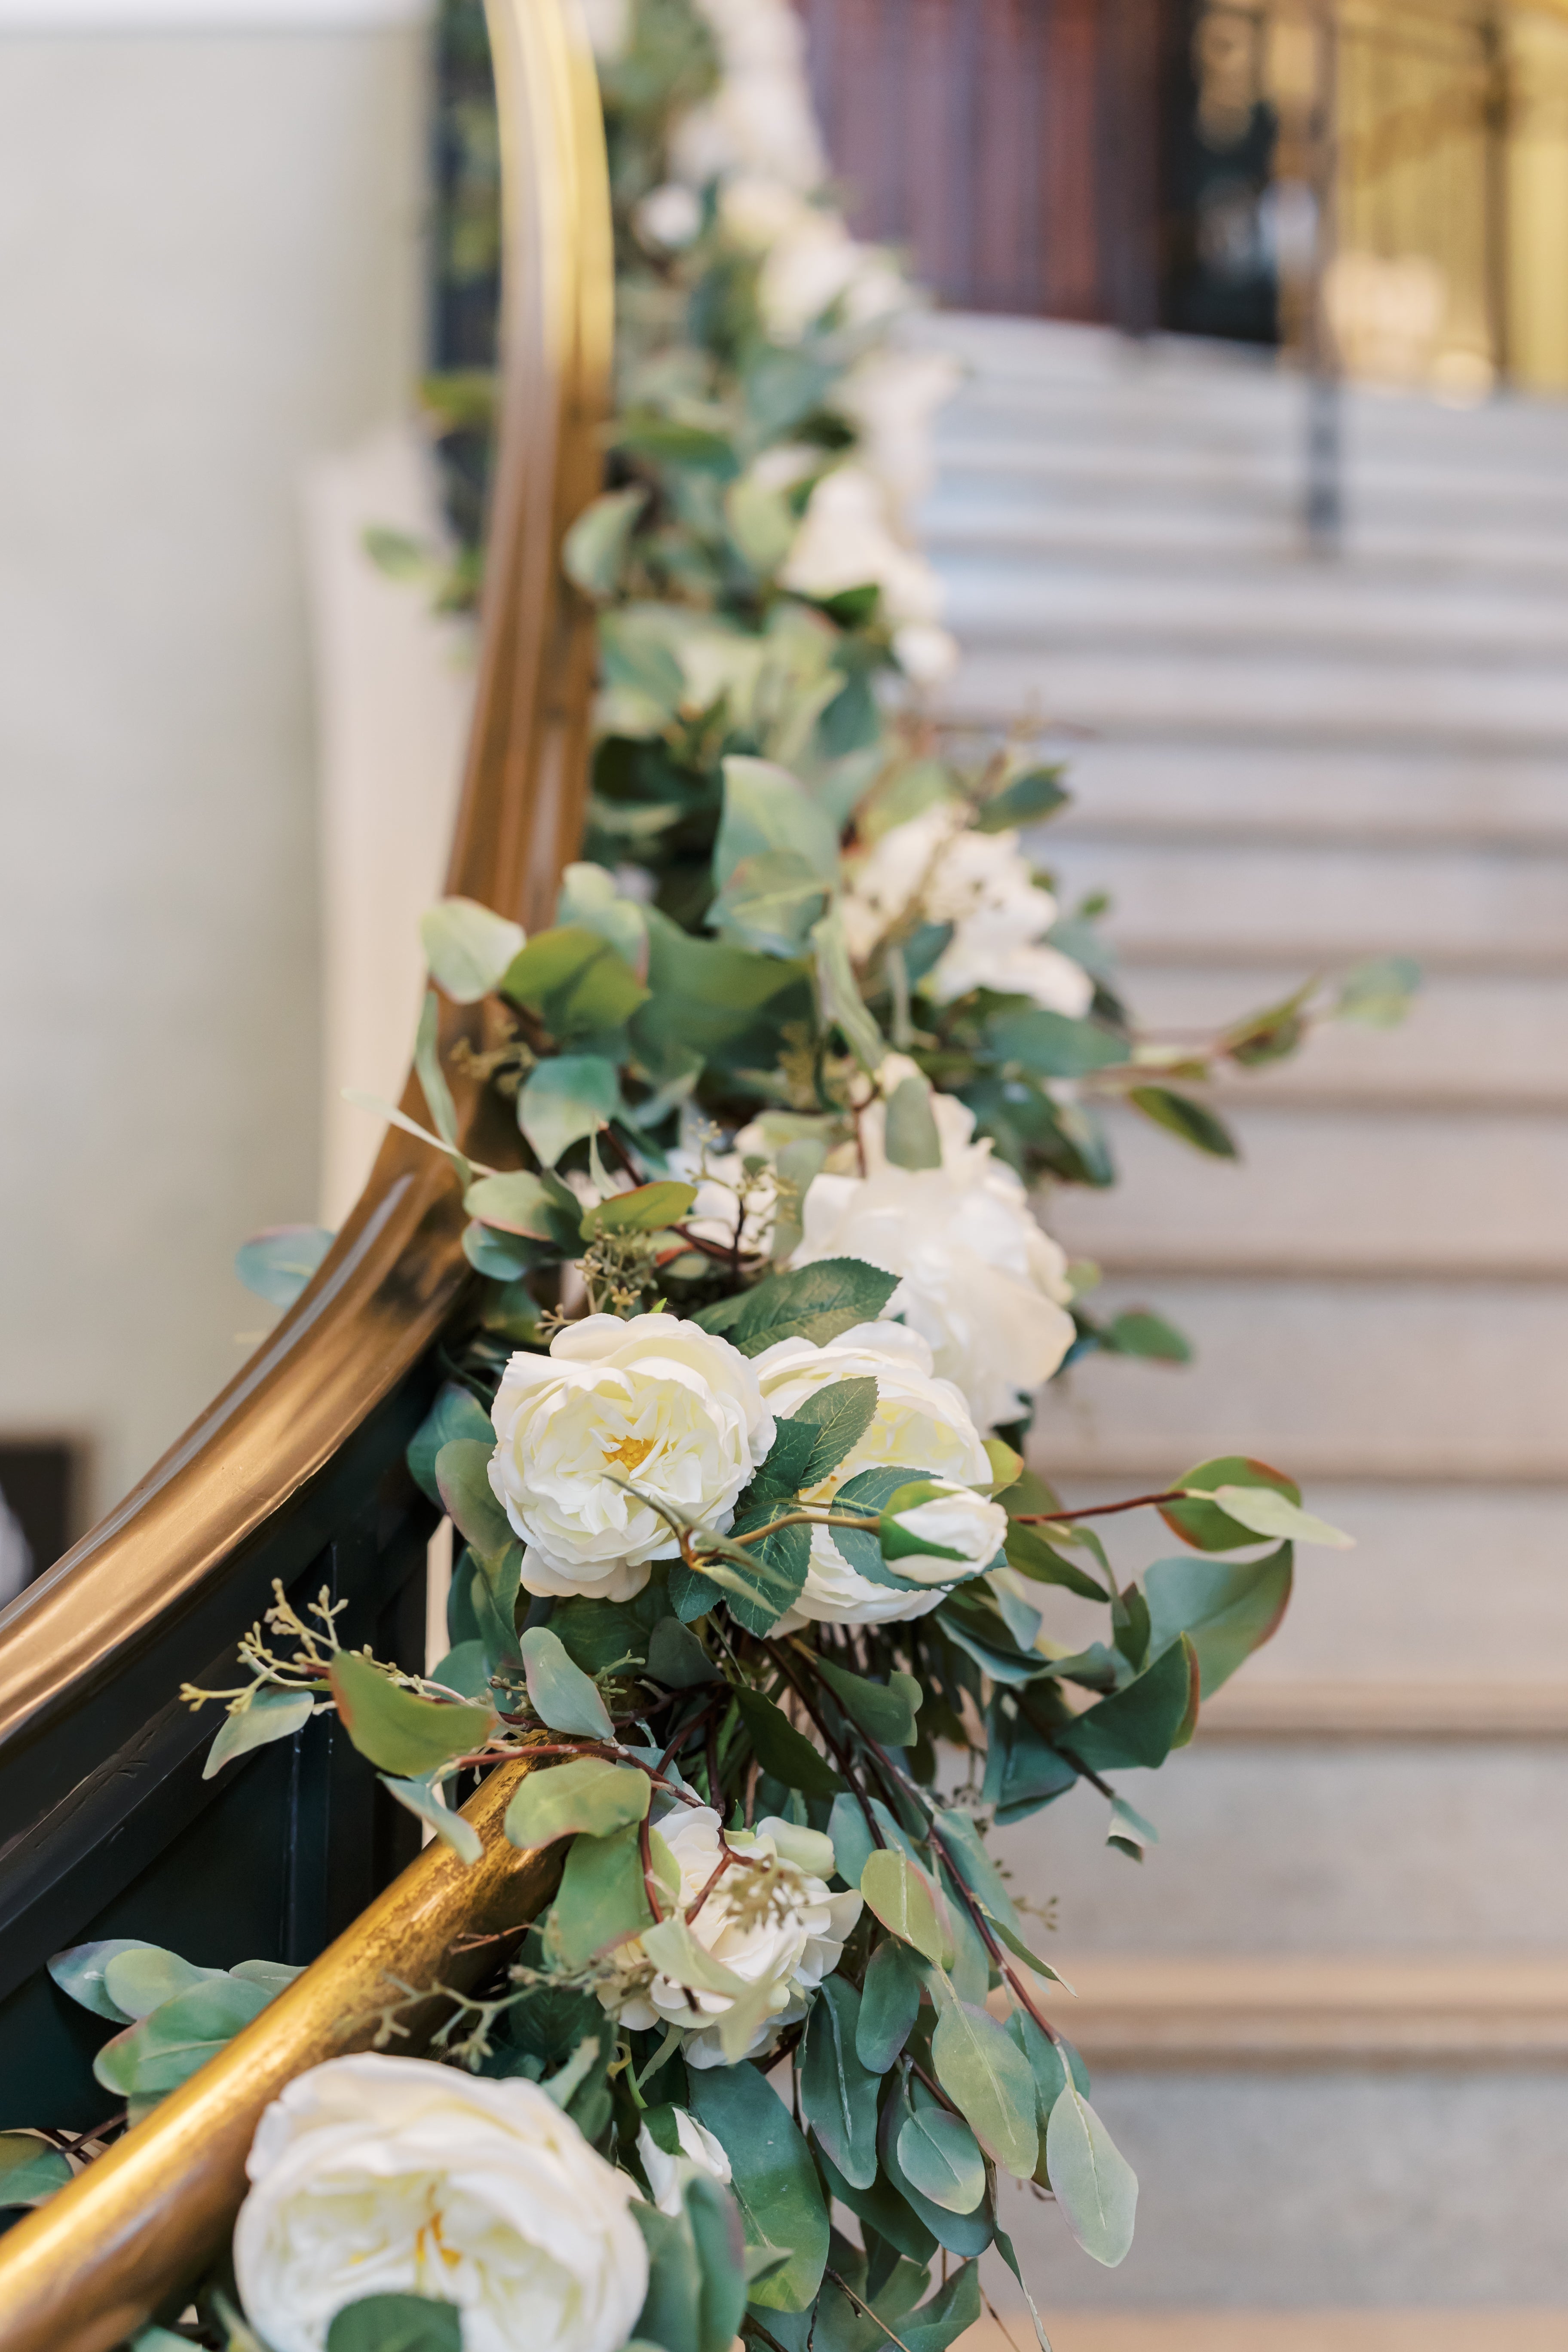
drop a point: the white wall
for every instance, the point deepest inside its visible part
(209, 276)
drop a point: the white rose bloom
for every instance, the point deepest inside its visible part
(669, 217)
(890, 397)
(393, 2176)
(978, 1279)
(927, 656)
(938, 866)
(653, 1399)
(722, 1184)
(920, 1420)
(950, 1519)
(785, 1947)
(666, 2173)
(760, 118)
(846, 540)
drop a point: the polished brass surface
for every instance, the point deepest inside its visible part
(90, 2266)
(397, 1268)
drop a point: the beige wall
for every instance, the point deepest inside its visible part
(208, 278)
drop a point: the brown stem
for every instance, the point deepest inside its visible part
(650, 1884)
(1101, 1510)
(720, 1867)
(845, 2288)
(840, 1758)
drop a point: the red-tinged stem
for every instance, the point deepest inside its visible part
(650, 1884)
(1100, 1510)
(720, 1867)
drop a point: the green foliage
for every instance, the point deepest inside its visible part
(1138, 1727)
(30, 2170)
(468, 948)
(271, 1715)
(885, 1711)
(575, 982)
(772, 2177)
(905, 1899)
(890, 2004)
(396, 2323)
(1180, 1115)
(400, 1732)
(561, 1694)
(989, 2080)
(566, 1100)
(837, 2090)
(456, 1414)
(1205, 1525)
(1094, 2184)
(782, 1750)
(1227, 1608)
(586, 1795)
(278, 1264)
(815, 1303)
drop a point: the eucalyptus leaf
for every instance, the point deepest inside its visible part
(911, 1136)
(271, 1715)
(463, 1482)
(838, 2089)
(564, 1100)
(887, 1711)
(940, 2155)
(772, 2178)
(784, 1751)
(839, 994)
(457, 1413)
(79, 1971)
(561, 1694)
(143, 1979)
(425, 1800)
(163, 2049)
(400, 1732)
(30, 2170)
(906, 1901)
(1205, 1525)
(1139, 1725)
(277, 1264)
(1226, 1608)
(890, 2004)
(396, 2323)
(468, 947)
(1266, 1512)
(1095, 2187)
(988, 2078)
(602, 1898)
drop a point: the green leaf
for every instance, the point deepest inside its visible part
(769, 903)
(677, 1954)
(277, 1264)
(1377, 994)
(564, 1100)
(951, 2311)
(815, 1303)
(1032, 1556)
(1138, 1332)
(141, 1980)
(396, 2323)
(1016, 1945)
(707, 994)
(539, 1209)
(561, 1694)
(773, 2179)
(601, 1898)
(1053, 2065)
(853, 1844)
(909, 1134)
(904, 1898)
(1227, 1609)
(30, 2170)
(400, 1732)
(271, 1715)
(887, 1711)
(837, 1418)
(468, 948)
(1095, 2186)
(1203, 1525)
(676, 1658)
(960, 2233)
(1025, 1769)
(1180, 1116)
(79, 1972)
(575, 980)
(1129, 1833)
(1266, 1512)
(966, 1851)
(1036, 794)
(890, 2004)
(988, 2078)
(889, 2214)
(426, 1800)
(939, 2155)
(463, 1482)
(784, 1751)
(1052, 1044)
(163, 2049)
(646, 1209)
(839, 994)
(767, 809)
(838, 2089)
(457, 1413)
(594, 548)
(1139, 1725)
(427, 1066)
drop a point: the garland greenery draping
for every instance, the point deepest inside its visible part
(751, 1562)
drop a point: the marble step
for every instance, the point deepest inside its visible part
(1307, 697)
(1327, 2329)
(1453, 1593)
(1331, 1378)
(1432, 1846)
(1319, 1191)
(1342, 2187)
(1303, 791)
(1502, 908)
(996, 597)
(1470, 1039)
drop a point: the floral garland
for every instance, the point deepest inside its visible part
(731, 1436)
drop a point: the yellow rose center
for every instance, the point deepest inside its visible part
(631, 1452)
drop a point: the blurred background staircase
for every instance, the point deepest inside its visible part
(1329, 2016)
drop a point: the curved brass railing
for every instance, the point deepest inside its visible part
(90, 2266)
(397, 1268)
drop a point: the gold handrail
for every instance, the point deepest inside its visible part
(90, 2267)
(397, 1268)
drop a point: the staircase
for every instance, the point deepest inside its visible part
(1329, 2016)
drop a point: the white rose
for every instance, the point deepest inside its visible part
(920, 1421)
(891, 396)
(949, 1531)
(780, 1935)
(760, 118)
(393, 2176)
(983, 887)
(653, 1399)
(927, 656)
(846, 540)
(668, 216)
(978, 1279)
(726, 1198)
(667, 2173)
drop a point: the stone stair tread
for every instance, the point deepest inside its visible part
(1372, 1190)
(1494, 2329)
(1456, 1706)
(1335, 1378)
